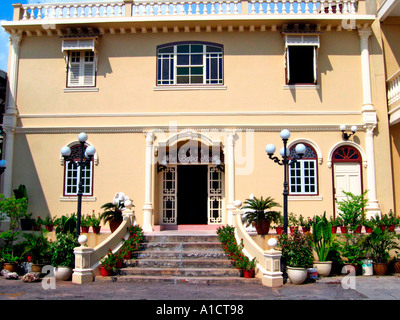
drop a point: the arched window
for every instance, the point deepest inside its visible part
(303, 178)
(346, 154)
(189, 63)
(71, 175)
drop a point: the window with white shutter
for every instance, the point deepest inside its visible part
(81, 69)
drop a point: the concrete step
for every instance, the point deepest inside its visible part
(183, 246)
(182, 272)
(181, 238)
(180, 279)
(179, 263)
(180, 255)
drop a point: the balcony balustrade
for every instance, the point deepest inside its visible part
(150, 9)
(393, 88)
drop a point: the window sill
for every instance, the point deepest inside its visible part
(301, 87)
(173, 88)
(305, 198)
(81, 89)
(75, 198)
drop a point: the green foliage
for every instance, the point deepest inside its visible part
(112, 211)
(351, 249)
(66, 224)
(109, 261)
(14, 209)
(226, 235)
(134, 240)
(297, 249)
(259, 210)
(352, 209)
(62, 250)
(36, 245)
(322, 236)
(20, 192)
(86, 221)
(305, 222)
(379, 243)
(94, 220)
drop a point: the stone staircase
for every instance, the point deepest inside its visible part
(179, 258)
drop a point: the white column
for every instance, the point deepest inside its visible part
(364, 34)
(231, 175)
(148, 205)
(10, 116)
(370, 121)
(372, 208)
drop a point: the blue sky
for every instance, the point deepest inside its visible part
(6, 13)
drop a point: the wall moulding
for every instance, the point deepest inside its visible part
(166, 128)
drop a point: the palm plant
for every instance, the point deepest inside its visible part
(380, 242)
(112, 211)
(258, 212)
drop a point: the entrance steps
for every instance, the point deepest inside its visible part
(180, 258)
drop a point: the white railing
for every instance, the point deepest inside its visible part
(148, 8)
(393, 88)
(72, 10)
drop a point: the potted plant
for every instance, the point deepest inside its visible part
(351, 250)
(107, 264)
(352, 209)
(112, 214)
(10, 262)
(378, 244)
(27, 222)
(368, 225)
(48, 222)
(95, 222)
(246, 265)
(258, 212)
(278, 223)
(14, 209)
(305, 223)
(322, 239)
(297, 255)
(65, 224)
(293, 222)
(37, 246)
(62, 255)
(85, 223)
(335, 223)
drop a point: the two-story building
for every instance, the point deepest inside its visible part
(180, 98)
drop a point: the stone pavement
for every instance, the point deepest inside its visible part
(330, 288)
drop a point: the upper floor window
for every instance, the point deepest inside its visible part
(189, 63)
(303, 173)
(81, 69)
(301, 59)
(81, 56)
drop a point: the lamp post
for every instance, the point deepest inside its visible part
(285, 161)
(82, 162)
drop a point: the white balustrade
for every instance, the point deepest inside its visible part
(393, 88)
(104, 9)
(77, 10)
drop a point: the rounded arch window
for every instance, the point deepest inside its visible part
(303, 174)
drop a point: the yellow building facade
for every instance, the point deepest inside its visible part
(180, 99)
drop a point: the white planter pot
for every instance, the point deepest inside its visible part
(324, 267)
(63, 273)
(297, 275)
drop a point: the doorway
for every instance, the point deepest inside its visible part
(192, 195)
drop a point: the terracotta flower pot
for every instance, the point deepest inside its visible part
(263, 227)
(368, 229)
(96, 229)
(105, 272)
(343, 229)
(380, 269)
(292, 229)
(306, 229)
(85, 229)
(396, 266)
(114, 225)
(279, 230)
(358, 229)
(249, 273)
(333, 230)
(37, 267)
(10, 266)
